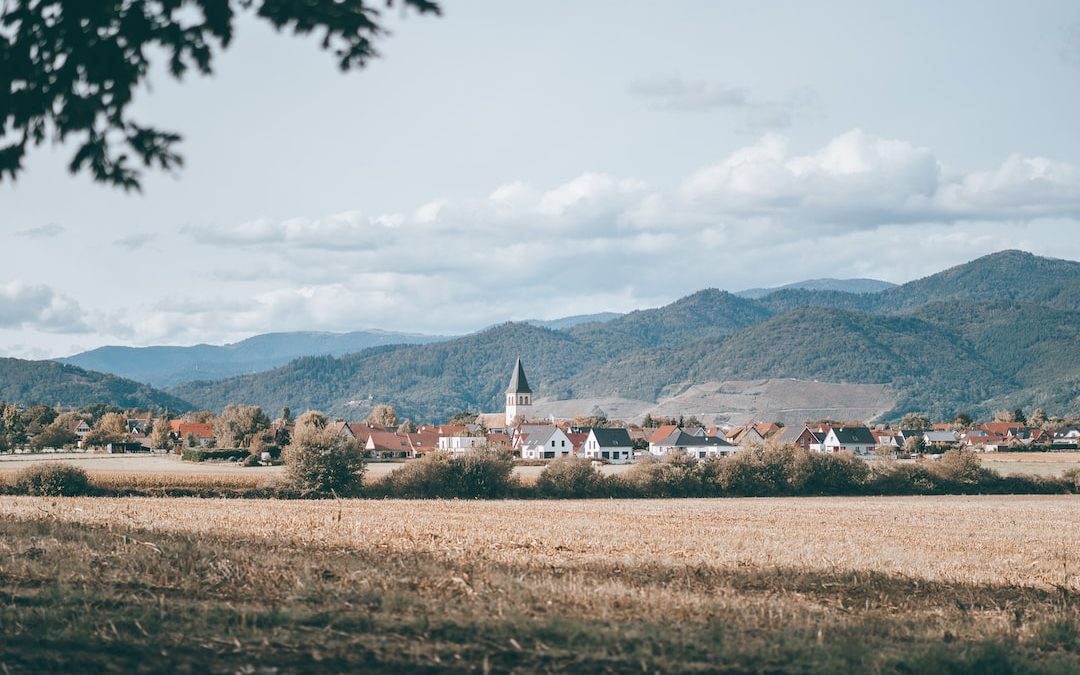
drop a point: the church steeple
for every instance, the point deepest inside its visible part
(518, 396)
(518, 383)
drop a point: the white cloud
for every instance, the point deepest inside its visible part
(41, 231)
(675, 94)
(38, 307)
(134, 242)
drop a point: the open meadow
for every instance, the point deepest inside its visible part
(916, 584)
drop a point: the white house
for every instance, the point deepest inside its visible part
(613, 445)
(856, 440)
(542, 441)
(461, 443)
(693, 445)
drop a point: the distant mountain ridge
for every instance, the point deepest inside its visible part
(999, 331)
(167, 366)
(841, 285)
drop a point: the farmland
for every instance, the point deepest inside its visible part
(813, 585)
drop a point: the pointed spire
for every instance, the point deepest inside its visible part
(518, 383)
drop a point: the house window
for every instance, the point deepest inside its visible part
(549, 455)
(563, 443)
(553, 444)
(606, 455)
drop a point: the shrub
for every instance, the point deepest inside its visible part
(320, 461)
(476, 474)
(815, 473)
(53, 479)
(203, 455)
(570, 477)
(962, 467)
(758, 472)
(674, 475)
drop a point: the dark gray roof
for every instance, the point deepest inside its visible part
(681, 439)
(612, 438)
(854, 435)
(518, 383)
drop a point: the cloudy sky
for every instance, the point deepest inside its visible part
(536, 160)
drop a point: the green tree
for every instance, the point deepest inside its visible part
(383, 415)
(237, 425)
(69, 69)
(915, 421)
(1018, 416)
(111, 428)
(159, 436)
(320, 460)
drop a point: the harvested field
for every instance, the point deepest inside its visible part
(1031, 463)
(945, 584)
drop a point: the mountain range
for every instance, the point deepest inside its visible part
(1000, 331)
(166, 366)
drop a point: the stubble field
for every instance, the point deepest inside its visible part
(923, 584)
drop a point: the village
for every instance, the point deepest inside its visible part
(242, 432)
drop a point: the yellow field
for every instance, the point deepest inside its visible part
(874, 584)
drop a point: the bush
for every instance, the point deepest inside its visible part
(476, 474)
(674, 475)
(815, 473)
(53, 479)
(570, 477)
(758, 472)
(202, 455)
(320, 461)
(962, 467)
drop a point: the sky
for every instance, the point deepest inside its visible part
(524, 160)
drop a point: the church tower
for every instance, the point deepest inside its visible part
(518, 396)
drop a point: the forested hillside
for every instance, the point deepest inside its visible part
(1000, 330)
(33, 382)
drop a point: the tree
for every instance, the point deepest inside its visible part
(383, 415)
(111, 428)
(285, 417)
(1018, 416)
(71, 68)
(915, 421)
(915, 445)
(239, 424)
(962, 420)
(320, 460)
(1004, 416)
(1038, 417)
(159, 436)
(407, 427)
(56, 435)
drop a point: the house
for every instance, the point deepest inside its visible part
(942, 440)
(694, 445)
(1069, 435)
(343, 428)
(807, 439)
(613, 445)
(541, 441)
(462, 443)
(578, 438)
(181, 430)
(856, 440)
(753, 433)
(887, 439)
(80, 428)
(388, 445)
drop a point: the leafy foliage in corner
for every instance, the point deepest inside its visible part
(70, 69)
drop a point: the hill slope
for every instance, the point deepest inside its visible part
(999, 331)
(841, 285)
(423, 382)
(33, 382)
(166, 366)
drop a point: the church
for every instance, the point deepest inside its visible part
(518, 407)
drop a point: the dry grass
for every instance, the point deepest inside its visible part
(808, 585)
